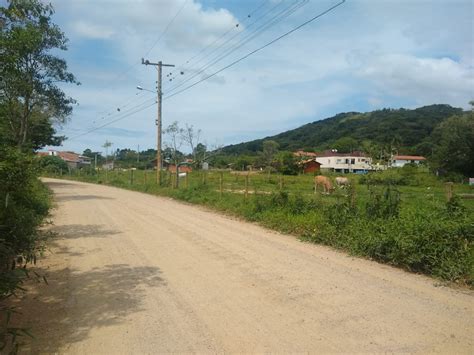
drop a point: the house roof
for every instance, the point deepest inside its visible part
(305, 162)
(69, 156)
(408, 157)
(329, 153)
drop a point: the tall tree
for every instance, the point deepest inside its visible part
(31, 100)
(454, 145)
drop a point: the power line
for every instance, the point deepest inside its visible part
(233, 27)
(132, 66)
(113, 121)
(286, 12)
(233, 37)
(220, 70)
(167, 27)
(259, 49)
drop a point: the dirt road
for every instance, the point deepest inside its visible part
(133, 273)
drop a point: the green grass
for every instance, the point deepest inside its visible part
(410, 226)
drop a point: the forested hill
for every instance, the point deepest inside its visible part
(409, 129)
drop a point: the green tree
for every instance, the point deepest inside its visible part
(346, 145)
(31, 100)
(454, 145)
(286, 163)
(52, 164)
(270, 148)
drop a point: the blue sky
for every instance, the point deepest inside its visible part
(365, 55)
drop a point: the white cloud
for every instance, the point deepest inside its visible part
(378, 52)
(90, 30)
(426, 80)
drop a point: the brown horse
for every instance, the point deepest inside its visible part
(324, 182)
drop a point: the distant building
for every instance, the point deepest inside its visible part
(310, 166)
(109, 165)
(399, 161)
(355, 162)
(72, 159)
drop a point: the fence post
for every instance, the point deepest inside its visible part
(144, 176)
(221, 183)
(60, 171)
(449, 191)
(281, 182)
(131, 177)
(246, 185)
(186, 182)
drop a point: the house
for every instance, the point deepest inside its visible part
(109, 165)
(399, 161)
(310, 166)
(355, 162)
(72, 159)
(183, 168)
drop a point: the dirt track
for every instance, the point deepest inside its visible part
(133, 273)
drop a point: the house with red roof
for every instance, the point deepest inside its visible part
(72, 159)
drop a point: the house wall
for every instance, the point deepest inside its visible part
(398, 163)
(348, 163)
(182, 168)
(311, 167)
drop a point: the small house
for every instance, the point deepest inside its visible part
(399, 161)
(310, 166)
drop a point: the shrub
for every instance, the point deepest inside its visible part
(24, 203)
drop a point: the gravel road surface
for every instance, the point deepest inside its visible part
(135, 273)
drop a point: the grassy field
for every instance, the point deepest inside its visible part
(400, 218)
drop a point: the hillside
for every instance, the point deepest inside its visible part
(408, 128)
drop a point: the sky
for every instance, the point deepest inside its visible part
(362, 56)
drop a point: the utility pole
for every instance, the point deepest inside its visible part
(158, 66)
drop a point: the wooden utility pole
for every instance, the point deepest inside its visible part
(159, 66)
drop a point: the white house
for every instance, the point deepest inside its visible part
(355, 162)
(399, 161)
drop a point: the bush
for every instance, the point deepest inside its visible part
(24, 203)
(52, 165)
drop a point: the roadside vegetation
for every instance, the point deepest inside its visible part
(400, 216)
(31, 103)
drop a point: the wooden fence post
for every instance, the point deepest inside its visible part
(186, 182)
(131, 176)
(281, 182)
(449, 191)
(221, 183)
(246, 185)
(144, 176)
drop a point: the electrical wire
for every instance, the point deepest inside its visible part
(233, 27)
(218, 71)
(113, 121)
(216, 49)
(285, 13)
(258, 49)
(185, 2)
(132, 66)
